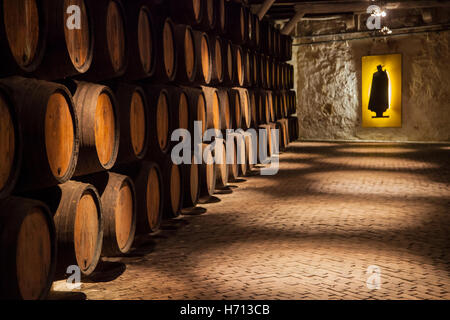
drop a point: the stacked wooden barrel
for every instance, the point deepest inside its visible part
(91, 93)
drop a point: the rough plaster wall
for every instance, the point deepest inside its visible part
(329, 88)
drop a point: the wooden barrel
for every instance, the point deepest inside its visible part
(235, 109)
(207, 173)
(179, 111)
(23, 38)
(187, 60)
(256, 81)
(238, 26)
(134, 120)
(68, 47)
(245, 107)
(229, 60)
(166, 50)
(222, 167)
(225, 108)
(172, 175)
(281, 125)
(270, 104)
(118, 200)
(218, 63)
(268, 71)
(249, 23)
(291, 77)
(233, 169)
(239, 59)
(203, 54)
(79, 225)
(256, 31)
(285, 44)
(293, 128)
(10, 144)
(160, 120)
(277, 75)
(241, 154)
(265, 143)
(285, 104)
(293, 98)
(27, 249)
(98, 115)
(273, 72)
(262, 71)
(49, 128)
(197, 109)
(141, 32)
(187, 12)
(263, 109)
(254, 107)
(221, 16)
(191, 188)
(276, 105)
(266, 41)
(209, 15)
(148, 184)
(283, 76)
(251, 149)
(277, 43)
(248, 68)
(110, 57)
(213, 107)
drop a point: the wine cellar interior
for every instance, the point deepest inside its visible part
(224, 149)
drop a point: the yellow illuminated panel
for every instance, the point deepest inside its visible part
(382, 91)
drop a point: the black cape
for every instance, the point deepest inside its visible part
(379, 94)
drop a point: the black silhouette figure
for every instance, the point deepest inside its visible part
(379, 94)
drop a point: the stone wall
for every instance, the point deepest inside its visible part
(328, 84)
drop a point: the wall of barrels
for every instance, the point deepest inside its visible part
(90, 93)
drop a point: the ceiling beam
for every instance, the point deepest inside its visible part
(264, 8)
(287, 29)
(361, 6)
(352, 6)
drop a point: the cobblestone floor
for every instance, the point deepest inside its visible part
(310, 232)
